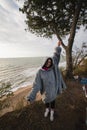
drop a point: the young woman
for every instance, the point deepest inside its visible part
(49, 82)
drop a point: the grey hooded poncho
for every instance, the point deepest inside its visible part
(49, 82)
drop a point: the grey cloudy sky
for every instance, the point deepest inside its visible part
(16, 42)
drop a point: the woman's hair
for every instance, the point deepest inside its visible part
(47, 61)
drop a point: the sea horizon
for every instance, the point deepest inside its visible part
(19, 71)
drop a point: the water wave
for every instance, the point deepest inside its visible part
(19, 72)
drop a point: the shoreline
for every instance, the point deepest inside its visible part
(17, 100)
(18, 91)
(24, 91)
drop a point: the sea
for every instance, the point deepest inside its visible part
(19, 72)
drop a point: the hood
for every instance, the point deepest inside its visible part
(44, 62)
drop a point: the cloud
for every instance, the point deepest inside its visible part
(81, 36)
(9, 5)
(12, 32)
(19, 42)
(12, 22)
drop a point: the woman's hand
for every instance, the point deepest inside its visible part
(29, 102)
(59, 43)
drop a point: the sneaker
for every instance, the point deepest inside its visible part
(51, 115)
(46, 112)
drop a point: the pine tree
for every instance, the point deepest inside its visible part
(57, 17)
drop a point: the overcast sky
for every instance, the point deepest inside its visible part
(16, 42)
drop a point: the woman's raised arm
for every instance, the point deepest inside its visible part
(56, 56)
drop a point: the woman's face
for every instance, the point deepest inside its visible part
(48, 64)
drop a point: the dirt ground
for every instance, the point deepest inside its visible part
(17, 100)
(70, 112)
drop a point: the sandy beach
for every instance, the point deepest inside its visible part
(17, 100)
(23, 92)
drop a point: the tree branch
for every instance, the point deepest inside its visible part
(82, 59)
(77, 58)
(63, 45)
(74, 23)
(58, 36)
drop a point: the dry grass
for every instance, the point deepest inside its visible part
(15, 101)
(69, 113)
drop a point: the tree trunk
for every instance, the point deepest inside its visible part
(68, 48)
(69, 66)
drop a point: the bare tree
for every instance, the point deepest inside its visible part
(79, 54)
